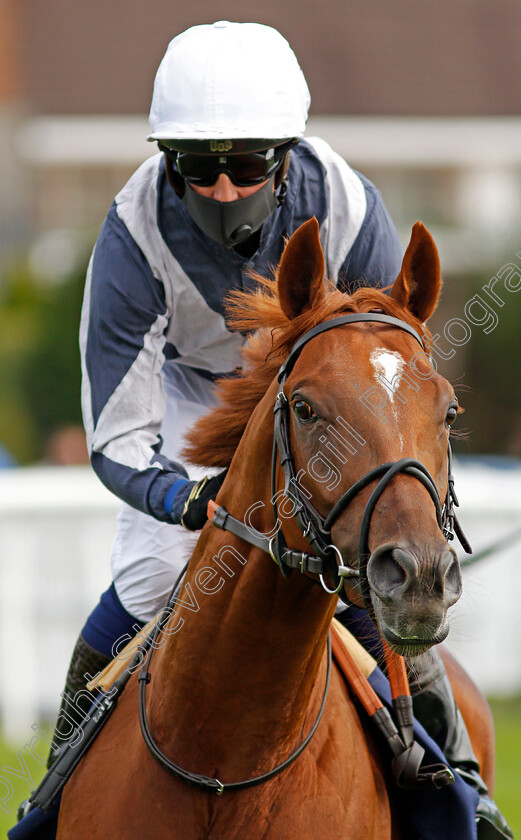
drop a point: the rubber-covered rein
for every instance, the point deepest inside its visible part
(407, 753)
(208, 783)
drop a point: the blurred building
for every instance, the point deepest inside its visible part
(423, 97)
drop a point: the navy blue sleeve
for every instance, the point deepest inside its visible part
(122, 342)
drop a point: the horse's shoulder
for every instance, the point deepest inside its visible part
(476, 714)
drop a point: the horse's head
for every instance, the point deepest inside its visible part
(366, 394)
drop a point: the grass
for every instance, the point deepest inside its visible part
(10, 765)
(507, 717)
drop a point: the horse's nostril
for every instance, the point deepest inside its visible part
(390, 571)
(393, 571)
(452, 578)
(406, 561)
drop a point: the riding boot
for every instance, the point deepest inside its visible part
(85, 664)
(435, 708)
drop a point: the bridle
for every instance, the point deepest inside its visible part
(315, 528)
(317, 531)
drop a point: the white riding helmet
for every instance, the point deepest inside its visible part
(229, 80)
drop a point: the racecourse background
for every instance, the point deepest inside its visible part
(54, 548)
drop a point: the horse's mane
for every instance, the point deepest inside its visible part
(214, 438)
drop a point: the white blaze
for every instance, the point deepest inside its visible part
(388, 365)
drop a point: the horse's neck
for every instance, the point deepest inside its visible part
(246, 654)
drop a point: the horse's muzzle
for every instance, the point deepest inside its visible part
(411, 596)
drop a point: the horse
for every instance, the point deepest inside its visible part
(238, 676)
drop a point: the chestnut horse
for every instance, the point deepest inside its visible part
(239, 676)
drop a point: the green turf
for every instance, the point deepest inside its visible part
(507, 717)
(10, 765)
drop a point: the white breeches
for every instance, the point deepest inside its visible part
(147, 555)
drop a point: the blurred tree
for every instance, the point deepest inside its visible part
(492, 395)
(39, 360)
(40, 365)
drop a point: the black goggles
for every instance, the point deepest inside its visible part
(244, 170)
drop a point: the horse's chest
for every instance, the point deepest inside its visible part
(335, 789)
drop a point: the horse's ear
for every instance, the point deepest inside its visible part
(418, 284)
(301, 270)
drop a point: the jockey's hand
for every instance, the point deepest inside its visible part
(191, 501)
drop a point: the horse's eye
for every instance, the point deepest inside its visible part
(303, 411)
(451, 415)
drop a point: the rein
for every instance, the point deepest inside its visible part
(208, 783)
(317, 530)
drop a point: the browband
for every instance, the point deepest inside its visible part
(351, 318)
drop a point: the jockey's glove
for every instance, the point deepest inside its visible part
(191, 501)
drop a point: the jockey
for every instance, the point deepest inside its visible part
(233, 178)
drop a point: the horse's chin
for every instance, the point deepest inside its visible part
(411, 645)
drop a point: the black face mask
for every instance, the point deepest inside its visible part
(232, 222)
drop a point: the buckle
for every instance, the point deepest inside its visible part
(280, 401)
(442, 778)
